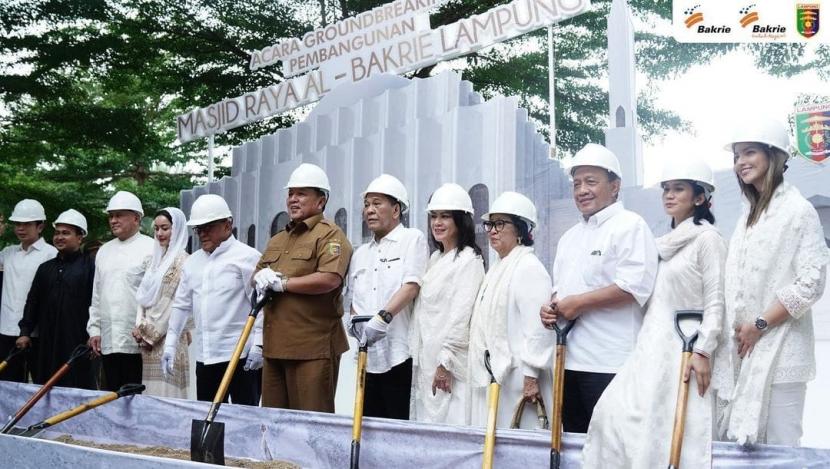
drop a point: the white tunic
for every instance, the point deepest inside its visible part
(113, 307)
(632, 422)
(19, 269)
(521, 347)
(784, 257)
(440, 334)
(613, 247)
(215, 291)
(377, 270)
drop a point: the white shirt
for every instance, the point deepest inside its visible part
(613, 247)
(378, 269)
(112, 311)
(19, 269)
(216, 290)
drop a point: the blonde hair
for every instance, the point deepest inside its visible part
(759, 201)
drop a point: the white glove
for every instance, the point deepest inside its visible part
(374, 331)
(254, 361)
(267, 279)
(168, 358)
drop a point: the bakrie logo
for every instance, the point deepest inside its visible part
(693, 17)
(807, 19)
(748, 15)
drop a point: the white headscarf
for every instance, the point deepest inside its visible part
(148, 291)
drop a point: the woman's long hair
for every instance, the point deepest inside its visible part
(466, 232)
(758, 202)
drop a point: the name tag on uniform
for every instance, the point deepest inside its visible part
(596, 253)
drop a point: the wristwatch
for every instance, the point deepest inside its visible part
(385, 315)
(761, 324)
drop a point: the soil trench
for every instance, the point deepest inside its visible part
(165, 452)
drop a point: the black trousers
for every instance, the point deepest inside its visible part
(245, 386)
(582, 391)
(120, 369)
(23, 365)
(387, 394)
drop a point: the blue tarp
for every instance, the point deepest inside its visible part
(308, 439)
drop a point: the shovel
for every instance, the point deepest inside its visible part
(492, 414)
(126, 390)
(79, 352)
(207, 439)
(12, 353)
(360, 392)
(684, 321)
(558, 393)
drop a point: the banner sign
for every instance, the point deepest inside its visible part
(405, 45)
(747, 21)
(812, 131)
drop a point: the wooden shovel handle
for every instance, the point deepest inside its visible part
(679, 414)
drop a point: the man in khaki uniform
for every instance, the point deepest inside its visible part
(304, 265)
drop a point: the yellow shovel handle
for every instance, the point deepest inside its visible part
(492, 414)
(237, 352)
(558, 393)
(360, 391)
(679, 414)
(56, 419)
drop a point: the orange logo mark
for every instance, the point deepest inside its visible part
(693, 17)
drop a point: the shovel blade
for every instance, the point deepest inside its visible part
(18, 431)
(207, 442)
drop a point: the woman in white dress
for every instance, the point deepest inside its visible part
(775, 271)
(506, 317)
(632, 422)
(161, 275)
(440, 329)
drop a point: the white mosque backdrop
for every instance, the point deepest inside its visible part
(435, 130)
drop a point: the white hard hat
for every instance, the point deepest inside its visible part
(693, 169)
(123, 200)
(596, 155)
(208, 208)
(450, 197)
(762, 130)
(513, 203)
(28, 210)
(391, 186)
(309, 175)
(72, 217)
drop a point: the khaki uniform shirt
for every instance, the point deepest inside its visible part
(306, 327)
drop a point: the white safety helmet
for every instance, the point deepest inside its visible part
(28, 210)
(693, 169)
(123, 200)
(513, 203)
(309, 175)
(595, 155)
(208, 208)
(72, 217)
(450, 197)
(391, 186)
(762, 130)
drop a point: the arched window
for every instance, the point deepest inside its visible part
(252, 236)
(279, 222)
(620, 116)
(481, 202)
(365, 234)
(341, 220)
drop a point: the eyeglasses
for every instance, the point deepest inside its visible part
(207, 227)
(498, 225)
